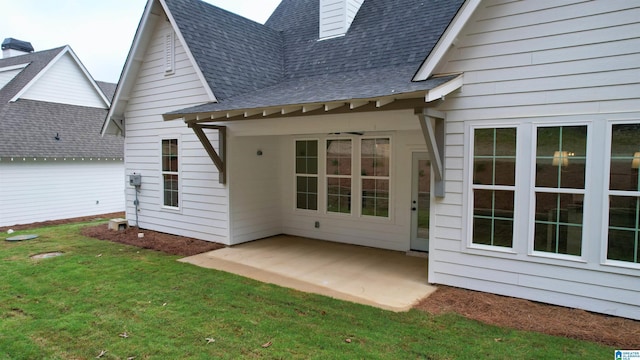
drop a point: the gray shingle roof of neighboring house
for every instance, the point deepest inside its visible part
(249, 65)
(28, 128)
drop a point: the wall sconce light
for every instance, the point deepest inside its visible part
(560, 158)
(635, 163)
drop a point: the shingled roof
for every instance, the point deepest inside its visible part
(29, 128)
(249, 66)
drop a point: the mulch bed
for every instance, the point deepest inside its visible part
(488, 308)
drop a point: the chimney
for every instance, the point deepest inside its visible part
(12, 47)
(336, 17)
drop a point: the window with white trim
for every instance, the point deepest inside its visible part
(494, 184)
(375, 158)
(170, 175)
(307, 174)
(623, 232)
(560, 159)
(338, 171)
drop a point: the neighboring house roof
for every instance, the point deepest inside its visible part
(36, 128)
(247, 65)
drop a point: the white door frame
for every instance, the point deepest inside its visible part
(418, 243)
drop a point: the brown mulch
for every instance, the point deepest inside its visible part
(488, 308)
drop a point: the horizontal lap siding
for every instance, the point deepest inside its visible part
(203, 213)
(36, 191)
(537, 59)
(254, 182)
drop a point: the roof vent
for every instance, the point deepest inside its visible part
(12, 47)
(336, 17)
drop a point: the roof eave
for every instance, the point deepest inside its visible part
(447, 40)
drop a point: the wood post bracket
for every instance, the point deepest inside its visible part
(219, 158)
(432, 124)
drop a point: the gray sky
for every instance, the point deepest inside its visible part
(99, 32)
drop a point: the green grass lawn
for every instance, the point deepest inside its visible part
(141, 304)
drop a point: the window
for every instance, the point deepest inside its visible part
(170, 172)
(494, 178)
(307, 174)
(624, 194)
(374, 167)
(338, 167)
(561, 156)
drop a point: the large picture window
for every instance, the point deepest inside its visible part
(170, 173)
(561, 157)
(374, 168)
(307, 174)
(494, 180)
(624, 194)
(338, 167)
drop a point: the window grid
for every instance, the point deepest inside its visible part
(375, 176)
(495, 216)
(307, 174)
(170, 175)
(338, 171)
(623, 240)
(559, 229)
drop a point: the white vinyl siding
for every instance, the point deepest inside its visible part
(534, 63)
(8, 73)
(203, 211)
(52, 189)
(65, 83)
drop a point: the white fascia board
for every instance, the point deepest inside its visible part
(445, 89)
(14, 67)
(194, 63)
(130, 68)
(446, 40)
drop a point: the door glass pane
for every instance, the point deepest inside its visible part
(424, 198)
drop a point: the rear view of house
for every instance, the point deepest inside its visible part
(501, 137)
(53, 162)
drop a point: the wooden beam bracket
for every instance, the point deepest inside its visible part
(432, 124)
(219, 159)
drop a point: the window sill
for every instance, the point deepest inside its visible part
(484, 249)
(621, 264)
(553, 256)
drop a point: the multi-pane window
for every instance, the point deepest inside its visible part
(170, 172)
(374, 168)
(494, 177)
(624, 194)
(339, 176)
(307, 174)
(561, 156)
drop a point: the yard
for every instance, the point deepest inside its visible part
(108, 300)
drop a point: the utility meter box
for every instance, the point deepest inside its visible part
(135, 180)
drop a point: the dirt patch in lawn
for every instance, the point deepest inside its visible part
(487, 308)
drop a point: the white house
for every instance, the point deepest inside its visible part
(502, 137)
(53, 162)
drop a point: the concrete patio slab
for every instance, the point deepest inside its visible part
(387, 279)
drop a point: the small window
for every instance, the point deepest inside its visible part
(170, 172)
(375, 166)
(561, 157)
(494, 180)
(624, 194)
(339, 176)
(307, 174)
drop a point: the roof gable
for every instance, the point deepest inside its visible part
(64, 81)
(54, 75)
